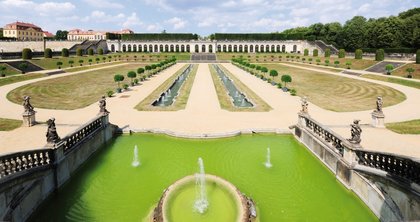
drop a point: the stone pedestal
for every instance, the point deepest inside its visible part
(29, 119)
(301, 120)
(378, 119)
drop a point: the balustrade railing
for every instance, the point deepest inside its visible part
(82, 133)
(396, 165)
(21, 161)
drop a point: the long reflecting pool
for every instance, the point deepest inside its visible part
(297, 187)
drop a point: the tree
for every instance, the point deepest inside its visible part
(59, 64)
(358, 54)
(148, 68)
(97, 59)
(310, 60)
(389, 69)
(26, 53)
(273, 73)
(315, 52)
(380, 55)
(90, 61)
(79, 52)
(65, 52)
(264, 70)
(81, 62)
(341, 53)
(100, 51)
(110, 58)
(286, 79)
(47, 53)
(23, 66)
(418, 56)
(61, 35)
(2, 69)
(327, 62)
(71, 62)
(336, 62)
(104, 59)
(90, 52)
(327, 53)
(354, 32)
(305, 52)
(118, 78)
(132, 75)
(348, 64)
(140, 70)
(410, 70)
(318, 61)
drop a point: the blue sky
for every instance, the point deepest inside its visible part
(197, 16)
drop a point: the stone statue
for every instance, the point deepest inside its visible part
(27, 105)
(52, 136)
(379, 104)
(356, 132)
(102, 105)
(304, 105)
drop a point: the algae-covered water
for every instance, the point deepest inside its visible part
(298, 187)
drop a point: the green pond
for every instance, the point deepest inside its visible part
(298, 187)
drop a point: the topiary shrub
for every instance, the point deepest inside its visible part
(358, 54)
(136, 81)
(327, 62)
(90, 52)
(48, 53)
(410, 70)
(23, 66)
(118, 78)
(2, 69)
(380, 55)
(327, 53)
(305, 52)
(315, 52)
(389, 69)
(110, 93)
(125, 86)
(65, 52)
(26, 53)
(418, 56)
(293, 92)
(348, 64)
(336, 62)
(79, 52)
(59, 64)
(132, 75)
(341, 53)
(100, 51)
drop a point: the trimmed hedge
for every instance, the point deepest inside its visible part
(327, 53)
(47, 53)
(418, 56)
(65, 52)
(380, 55)
(358, 54)
(341, 53)
(26, 53)
(79, 52)
(315, 52)
(305, 52)
(100, 51)
(90, 52)
(391, 50)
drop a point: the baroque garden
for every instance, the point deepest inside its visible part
(124, 126)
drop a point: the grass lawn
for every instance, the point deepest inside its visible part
(226, 101)
(72, 92)
(20, 78)
(52, 63)
(9, 70)
(9, 124)
(326, 68)
(404, 82)
(93, 66)
(181, 99)
(401, 71)
(337, 93)
(408, 127)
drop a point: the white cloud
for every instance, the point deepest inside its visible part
(104, 4)
(132, 21)
(42, 9)
(177, 23)
(154, 28)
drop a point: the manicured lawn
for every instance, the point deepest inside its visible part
(402, 71)
(93, 66)
(9, 124)
(225, 100)
(408, 127)
(52, 63)
(337, 93)
(326, 68)
(20, 78)
(404, 82)
(181, 99)
(9, 70)
(72, 92)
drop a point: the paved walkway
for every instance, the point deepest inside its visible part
(203, 114)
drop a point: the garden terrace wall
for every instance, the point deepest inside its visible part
(28, 178)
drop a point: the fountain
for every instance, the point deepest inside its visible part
(136, 161)
(268, 161)
(201, 203)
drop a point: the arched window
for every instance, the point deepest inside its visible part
(182, 48)
(240, 48)
(257, 48)
(203, 48)
(224, 48)
(129, 48)
(172, 48)
(124, 48)
(145, 48)
(112, 48)
(156, 48)
(134, 48)
(176, 48)
(211, 48)
(219, 48)
(267, 48)
(245, 48)
(230, 48)
(160, 48)
(294, 48)
(196, 48)
(273, 48)
(278, 48)
(140, 48)
(188, 48)
(283, 48)
(150, 48)
(251, 48)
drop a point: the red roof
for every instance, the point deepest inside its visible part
(14, 25)
(48, 34)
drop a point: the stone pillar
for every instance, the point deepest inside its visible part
(378, 119)
(29, 119)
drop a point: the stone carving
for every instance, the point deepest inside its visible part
(29, 109)
(102, 106)
(379, 104)
(304, 103)
(52, 136)
(356, 132)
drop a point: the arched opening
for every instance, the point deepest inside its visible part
(257, 48)
(203, 48)
(129, 48)
(294, 48)
(230, 48)
(188, 48)
(176, 48)
(124, 48)
(277, 48)
(211, 48)
(251, 48)
(240, 48)
(140, 48)
(156, 48)
(134, 48)
(166, 48)
(246, 48)
(197, 48)
(112, 48)
(160, 48)
(224, 48)
(172, 48)
(273, 48)
(235, 48)
(182, 48)
(283, 48)
(150, 48)
(219, 48)
(267, 48)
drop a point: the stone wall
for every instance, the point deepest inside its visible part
(22, 192)
(35, 46)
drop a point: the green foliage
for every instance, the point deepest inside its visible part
(47, 53)
(273, 73)
(348, 64)
(409, 70)
(61, 35)
(305, 52)
(389, 68)
(418, 56)
(100, 51)
(118, 78)
(318, 61)
(2, 69)
(279, 85)
(258, 36)
(380, 55)
(90, 61)
(336, 62)
(160, 36)
(358, 54)
(140, 70)
(90, 52)
(315, 52)
(293, 92)
(26, 53)
(23, 66)
(71, 62)
(136, 81)
(310, 60)
(327, 62)
(341, 53)
(327, 53)
(264, 69)
(79, 52)
(65, 52)
(125, 86)
(59, 64)
(286, 79)
(81, 62)
(110, 93)
(132, 75)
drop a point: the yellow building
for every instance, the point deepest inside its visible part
(23, 31)
(78, 34)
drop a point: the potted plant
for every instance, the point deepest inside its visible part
(118, 78)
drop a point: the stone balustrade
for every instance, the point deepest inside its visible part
(82, 133)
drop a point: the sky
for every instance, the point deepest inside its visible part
(193, 16)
